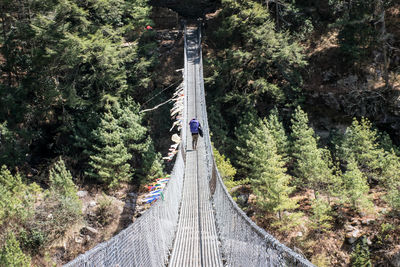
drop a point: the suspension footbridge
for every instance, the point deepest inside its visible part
(197, 223)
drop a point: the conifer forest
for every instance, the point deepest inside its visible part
(303, 101)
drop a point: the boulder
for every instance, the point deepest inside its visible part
(367, 221)
(82, 194)
(353, 236)
(89, 230)
(395, 259)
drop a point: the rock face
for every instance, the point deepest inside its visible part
(188, 8)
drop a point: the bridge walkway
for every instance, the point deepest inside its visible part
(196, 242)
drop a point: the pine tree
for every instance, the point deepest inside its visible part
(64, 190)
(269, 181)
(12, 255)
(276, 129)
(16, 198)
(391, 179)
(110, 159)
(11, 151)
(356, 187)
(311, 167)
(360, 143)
(61, 181)
(321, 220)
(357, 33)
(245, 128)
(145, 161)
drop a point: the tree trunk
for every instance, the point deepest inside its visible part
(381, 10)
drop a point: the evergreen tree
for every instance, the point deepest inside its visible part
(109, 162)
(12, 255)
(391, 179)
(243, 131)
(145, 161)
(11, 151)
(61, 181)
(311, 167)
(269, 181)
(258, 65)
(276, 129)
(64, 189)
(356, 21)
(321, 220)
(16, 198)
(356, 187)
(360, 143)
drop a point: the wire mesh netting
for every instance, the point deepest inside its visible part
(243, 243)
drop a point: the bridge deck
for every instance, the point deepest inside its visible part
(196, 242)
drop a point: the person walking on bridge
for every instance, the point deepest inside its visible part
(195, 129)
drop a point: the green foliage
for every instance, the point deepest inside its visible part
(291, 16)
(360, 143)
(16, 198)
(361, 255)
(245, 127)
(110, 160)
(12, 255)
(277, 131)
(59, 209)
(104, 211)
(321, 218)
(145, 161)
(356, 187)
(391, 179)
(257, 64)
(59, 60)
(63, 188)
(225, 168)
(357, 34)
(122, 147)
(311, 165)
(269, 181)
(32, 240)
(61, 181)
(11, 151)
(289, 221)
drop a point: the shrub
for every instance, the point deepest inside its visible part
(12, 255)
(32, 240)
(16, 198)
(360, 256)
(321, 219)
(59, 209)
(104, 212)
(225, 168)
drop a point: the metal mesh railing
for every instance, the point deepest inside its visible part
(146, 242)
(243, 243)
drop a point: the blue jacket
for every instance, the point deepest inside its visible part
(194, 126)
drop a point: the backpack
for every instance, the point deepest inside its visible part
(200, 131)
(194, 126)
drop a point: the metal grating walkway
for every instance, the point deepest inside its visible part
(196, 242)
